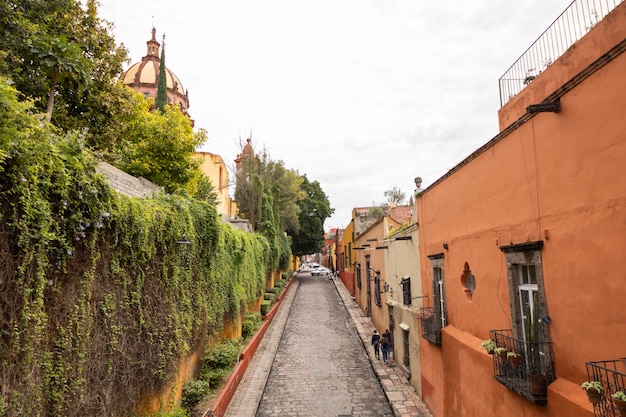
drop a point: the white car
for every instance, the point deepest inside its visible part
(320, 271)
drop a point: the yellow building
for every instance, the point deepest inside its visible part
(213, 166)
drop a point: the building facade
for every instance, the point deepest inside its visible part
(521, 243)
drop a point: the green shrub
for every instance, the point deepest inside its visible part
(215, 376)
(253, 316)
(274, 290)
(193, 392)
(265, 307)
(270, 297)
(176, 412)
(250, 324)
(222, 355)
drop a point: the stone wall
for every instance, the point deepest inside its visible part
(127, 184)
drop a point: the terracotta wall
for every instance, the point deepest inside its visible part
(558, 178)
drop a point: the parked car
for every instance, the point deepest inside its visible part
(320, 271)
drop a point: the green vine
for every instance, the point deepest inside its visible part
(97, 312)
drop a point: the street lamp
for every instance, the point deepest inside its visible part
(183, 245)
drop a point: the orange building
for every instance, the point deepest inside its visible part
(522, 243)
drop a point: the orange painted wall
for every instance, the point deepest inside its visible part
(558, 178)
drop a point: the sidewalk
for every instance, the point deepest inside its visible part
(400, 393)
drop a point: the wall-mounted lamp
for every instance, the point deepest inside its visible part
(445, 246)
(387, 289)
(183, 246)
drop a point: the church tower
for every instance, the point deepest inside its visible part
(143, 77)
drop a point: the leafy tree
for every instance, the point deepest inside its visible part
(39, 38)
(314, 210)
(62, 59)
(160, 146)
(395, 196)
(261, 175)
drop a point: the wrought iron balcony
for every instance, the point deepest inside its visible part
(579, 17)
(612, 375)
(528, 374)
(431, 324)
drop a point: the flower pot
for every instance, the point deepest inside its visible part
(594, 396)
(503, 355)
(515, 360)
(620, 407)
(538, 386)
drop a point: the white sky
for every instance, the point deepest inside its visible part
(360, 95)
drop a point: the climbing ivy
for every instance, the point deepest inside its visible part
(96, 310)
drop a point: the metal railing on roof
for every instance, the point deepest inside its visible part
(578, 19)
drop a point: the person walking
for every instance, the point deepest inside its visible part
(376, 343)
(385, 343)
(387, 334)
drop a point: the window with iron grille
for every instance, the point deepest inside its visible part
(439, 294)
(358, 275)
(529, 336)
(434, 318)
(406, 290)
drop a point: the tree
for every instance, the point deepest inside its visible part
(314, 210)
(161, 97)
(259, 175)
(61, 59)
(159, 146)
(395, 196)
(39, 36)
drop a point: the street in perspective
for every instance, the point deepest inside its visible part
(316, 360)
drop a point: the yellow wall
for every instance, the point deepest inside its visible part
(213, 166)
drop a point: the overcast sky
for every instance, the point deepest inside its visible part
(360, 95)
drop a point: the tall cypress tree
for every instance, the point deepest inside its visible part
(161, 98)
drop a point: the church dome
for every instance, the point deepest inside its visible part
(143, 76)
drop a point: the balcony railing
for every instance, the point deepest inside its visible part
(579, 17)
(431, 324)
(530, 373)
(612, 375)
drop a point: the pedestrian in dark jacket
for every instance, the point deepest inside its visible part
(385, 345)
(376, 344)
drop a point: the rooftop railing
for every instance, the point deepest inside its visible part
(578, 19)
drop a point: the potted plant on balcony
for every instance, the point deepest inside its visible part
(489, 345)
(501, 352)
(594, 391)
(619, 402)
(514, 358)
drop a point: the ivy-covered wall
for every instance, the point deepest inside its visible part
(95, 311)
